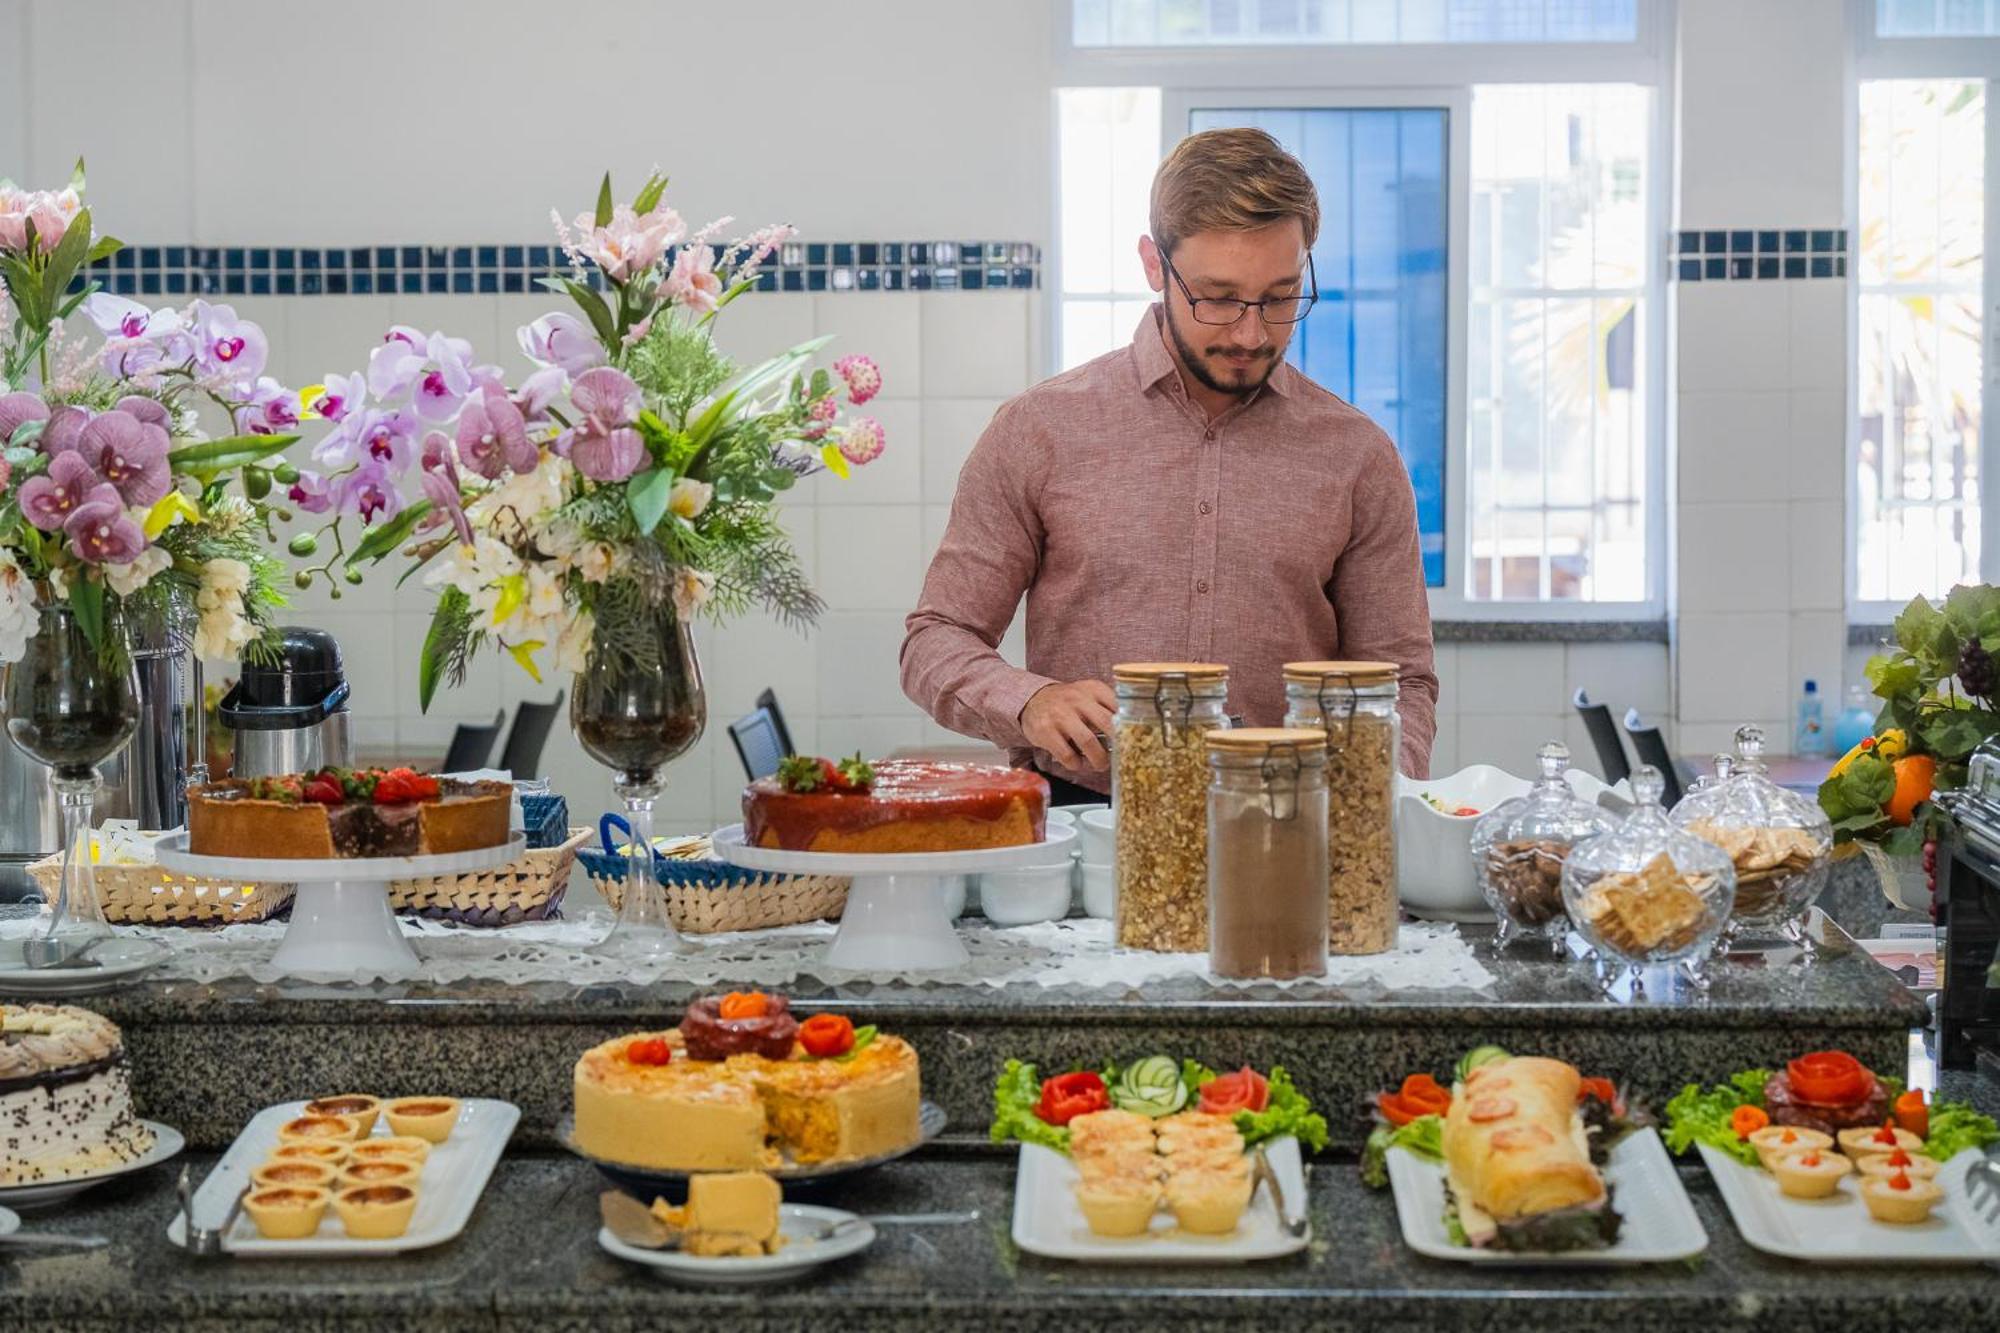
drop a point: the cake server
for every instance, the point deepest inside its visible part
(1294, 1226)
(199, 1240)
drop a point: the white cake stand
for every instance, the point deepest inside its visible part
(895, 919)
(341, 921)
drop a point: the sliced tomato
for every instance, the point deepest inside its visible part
(1829, 1078)
(1426, 1094)
(1244, 1090)
(1601, 1088)
(1395, 1110)
(744, 1004)
(1067, 1096)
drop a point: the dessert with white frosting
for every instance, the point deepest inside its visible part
(65, 1102)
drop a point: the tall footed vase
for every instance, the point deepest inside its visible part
(71, 706)
(634, 712)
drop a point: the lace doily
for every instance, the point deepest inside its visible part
(1075, 954)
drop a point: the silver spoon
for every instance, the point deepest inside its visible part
(51, 1240)
(199, 1240)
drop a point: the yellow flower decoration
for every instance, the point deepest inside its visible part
(309, 395)
(170, 509)
(524, 654)
(835, 461)
(513, 593)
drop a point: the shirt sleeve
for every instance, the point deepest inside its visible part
(951, 664)
(1385, 616)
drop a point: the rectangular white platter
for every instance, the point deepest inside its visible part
(454, 1177)
(1839, 1229)
(1048, 1221)
(1660, 1222)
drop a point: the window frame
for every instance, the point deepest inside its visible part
(1407, 75)
(1876, 58)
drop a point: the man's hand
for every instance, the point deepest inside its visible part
(1069, 722)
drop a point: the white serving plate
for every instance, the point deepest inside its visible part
(1660, 1222)
(1435, 875)
(40, 983)
(454, 1177)
(1840, 1230)
(10, 1222)
(167, 1142)
(1048, 1222)
(792, 1259)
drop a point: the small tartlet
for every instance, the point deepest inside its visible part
(1902, 1200)
(287, 1212)
(1774, 1141)
(281, 1172)
(332, 1152)
(375, 1212)
(320, 1129)
(381, 1171)
(1868, 1140)
(1812, 1174)
(1916, 1165)
(391, 1146)
(428, 1118)
(357, 1105)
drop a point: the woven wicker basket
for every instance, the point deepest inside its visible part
(528, 888)
(707, 897)
(141, 895)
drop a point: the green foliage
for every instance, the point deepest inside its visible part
(448, 645)
(678, 367)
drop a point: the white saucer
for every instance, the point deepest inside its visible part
(794, 1260)
(39, 982)
(167, 1142)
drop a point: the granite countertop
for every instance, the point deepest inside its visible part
(529, 1260)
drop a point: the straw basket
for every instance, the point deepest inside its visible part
(708, 897)
(528, 888)
(145, 895)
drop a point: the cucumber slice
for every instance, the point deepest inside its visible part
(1477, 1056)
(1151, 1087)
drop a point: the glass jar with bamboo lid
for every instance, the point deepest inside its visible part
(1354, 703)
(1267, 868)
(1159, 788)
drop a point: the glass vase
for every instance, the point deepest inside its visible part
(71, 705)
(635, 708)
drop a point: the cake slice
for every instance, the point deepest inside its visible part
(728, 1214)
(828, 1110)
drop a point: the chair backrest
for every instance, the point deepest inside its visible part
(1651, 748)
(757, 743)
(1603, 737)
(471, 747)
(522, 755)
(768, 701)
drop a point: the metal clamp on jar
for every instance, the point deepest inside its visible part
(1267, 853)
(1159, 788)
(1354, 703)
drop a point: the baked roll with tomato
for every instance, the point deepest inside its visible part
(1517, 1160)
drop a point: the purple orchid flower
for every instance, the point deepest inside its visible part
(312, 493)
(100, 532)
(603, 444)
(538, 391)
(270, 409)
(17, 410)
(130, 454)
(150, 410)
(65, 428)
(47, 501)
(225, 347)
(340, 396)
(441, 485)
(492, 435)
(138, 338)
(437, 370)
(373, 435)
(370, 492)
(561, 340)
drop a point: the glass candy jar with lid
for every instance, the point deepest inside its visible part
(1779, 841)
(1267, 853)
(1648, 891)
(1159, 789)
(1354, 703)
(1519, 847)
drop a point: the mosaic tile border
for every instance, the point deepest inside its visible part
(1761, 254)
(470, 270)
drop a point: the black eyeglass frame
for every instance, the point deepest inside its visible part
(1195, 303)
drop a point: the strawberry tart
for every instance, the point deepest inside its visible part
(897, 805)
(343, 812)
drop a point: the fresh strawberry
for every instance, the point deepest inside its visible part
(324, 791)
(803, 773)
(852, 775)
(400, 784)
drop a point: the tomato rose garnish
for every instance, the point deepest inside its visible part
(744, 1004)
(825, 1035)
(1244, 1090)
(1912, 1114)
(1420, 1095)
(1067, 1096)
(1829, 1078)
(1747, 1120)
(650, 1051)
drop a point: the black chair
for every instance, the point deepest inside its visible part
(1651, 747)
(1603, 737)
(757, 739)
(471, 747)
(768, 701)
(522, 754)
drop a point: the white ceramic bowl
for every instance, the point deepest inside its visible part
(1018, 897)
(1435, 876)
(1100, 891)
(1059, 818)
(1079, 810)
(1098, 831)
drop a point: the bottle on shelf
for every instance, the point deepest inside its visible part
(1811, 736)
(1857, 721)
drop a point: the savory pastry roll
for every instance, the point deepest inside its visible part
(1517, 1160)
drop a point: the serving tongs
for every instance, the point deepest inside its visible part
(1982, 1188)
(200, 1241)
(1295, 1225)
(639, 1226)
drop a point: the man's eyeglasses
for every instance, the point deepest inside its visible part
(1227, 309)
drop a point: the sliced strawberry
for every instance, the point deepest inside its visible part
(323, 791)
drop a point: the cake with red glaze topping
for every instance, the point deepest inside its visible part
(340, 812)
(897, 805)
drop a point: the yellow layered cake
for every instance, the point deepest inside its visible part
(731, 1213)
(642, 1099)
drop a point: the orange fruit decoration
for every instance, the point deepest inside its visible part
(1915, 775)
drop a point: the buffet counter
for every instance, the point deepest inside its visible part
(530, 1261)
(207, 1057)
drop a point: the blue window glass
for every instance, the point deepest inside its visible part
(1377, 336)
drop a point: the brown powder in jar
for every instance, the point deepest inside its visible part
(1162, 836)
(1266, 917)
(1361, 848)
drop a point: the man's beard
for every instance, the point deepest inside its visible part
(1257, 372)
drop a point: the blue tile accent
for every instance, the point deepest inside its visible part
(260, 284)
(1822, 266)
(1714, 267)
(489, 256)
(1750, 254)
(308, 261)
(288, 284)
(1795, 241)
(1767, 266)
(1822, 242)
(1714, 242)
(260, 258)
(309, 284)
(126, 258)
(1739, 242)
(514, 255)
(1690, 270)
(233, 284)
(1795, 267)
(1741, 266)
(513, 282)
(360, 257)
(412, 282)
(843, 252)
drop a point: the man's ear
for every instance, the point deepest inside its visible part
(1149, 256)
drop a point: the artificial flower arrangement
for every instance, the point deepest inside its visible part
(111, 500)
(632, 475)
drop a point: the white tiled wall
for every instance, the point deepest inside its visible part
(1497, 702)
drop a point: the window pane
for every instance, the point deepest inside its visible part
(1920, 377)
(1377, 336)
(1936, 18)
(1556, 402)
(1344, 22)
(1109, 144)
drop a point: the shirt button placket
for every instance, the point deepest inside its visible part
(1202, 627)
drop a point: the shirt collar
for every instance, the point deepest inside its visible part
(1156, 364)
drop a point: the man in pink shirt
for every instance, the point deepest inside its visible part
(1191, 497)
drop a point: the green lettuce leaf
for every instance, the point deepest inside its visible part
(1955, 1126)
(1423, 1136)
(1015, 1094)
(1289, 1112)
(1695, 1116)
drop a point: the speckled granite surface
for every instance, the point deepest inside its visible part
(205, 1058)
(529, 1261)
